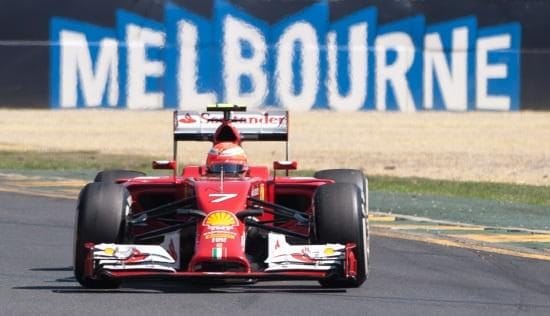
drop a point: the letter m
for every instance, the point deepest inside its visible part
(83, 65)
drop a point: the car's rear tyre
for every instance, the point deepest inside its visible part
(101, 212)
(113, 175)
(339, 218)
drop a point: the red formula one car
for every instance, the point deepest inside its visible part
(225, 219)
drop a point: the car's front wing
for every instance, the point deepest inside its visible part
(284, 262)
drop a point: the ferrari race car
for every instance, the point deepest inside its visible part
(225, 219)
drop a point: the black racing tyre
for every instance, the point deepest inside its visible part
(339, 218)
(359, 179)
(113, 175)
(101, 212)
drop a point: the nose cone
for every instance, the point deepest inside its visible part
(212, 196)
(221, 235)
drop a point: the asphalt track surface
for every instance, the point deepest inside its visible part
(407, 278)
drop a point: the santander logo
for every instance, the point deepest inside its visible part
(188, 119)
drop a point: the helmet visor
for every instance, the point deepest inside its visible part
(226, 167)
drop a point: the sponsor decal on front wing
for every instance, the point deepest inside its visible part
(133, 257)
(282, 256)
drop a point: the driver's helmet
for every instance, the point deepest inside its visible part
(228, 157)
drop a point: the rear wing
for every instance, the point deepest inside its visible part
(252, 125)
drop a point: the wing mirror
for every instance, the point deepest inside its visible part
(165, 164)
(285, 165)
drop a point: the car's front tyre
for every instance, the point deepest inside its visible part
(101, 212)
(339, 218)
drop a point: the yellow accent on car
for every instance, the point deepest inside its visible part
(109, 251)
(220, 218)
(329, 251)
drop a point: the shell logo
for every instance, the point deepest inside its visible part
(220, 218)
(109, 251)
(329, 251)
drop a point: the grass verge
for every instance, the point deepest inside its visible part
(71, 160)
(79, 160)
(503, 192)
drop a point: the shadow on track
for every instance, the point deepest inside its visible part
(52, 269)
(61, 285)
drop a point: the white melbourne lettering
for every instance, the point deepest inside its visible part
(77, 69)
(297, 64)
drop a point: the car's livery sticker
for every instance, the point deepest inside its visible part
(220, 197)
(219, 252)
(220, 219)
(262, 191)
(217, 236)
(220, 226)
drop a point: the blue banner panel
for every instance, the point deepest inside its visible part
(350, 61)
(83, 65)
(189, 56)
(399, 65)
(498, 67)
(141, 62)
(242, 55)
(449, 68)
(431, 55)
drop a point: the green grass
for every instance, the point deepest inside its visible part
(90, 160)
(505, 192)
(73, 160)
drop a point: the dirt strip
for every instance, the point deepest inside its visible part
(480, 146)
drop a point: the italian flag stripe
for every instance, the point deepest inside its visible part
(217, 253)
